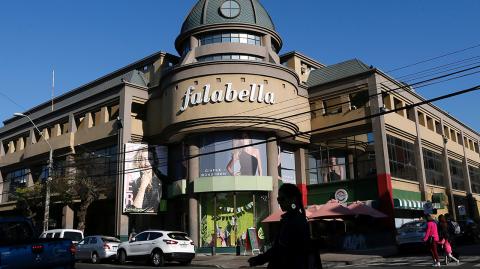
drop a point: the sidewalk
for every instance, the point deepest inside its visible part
(329, 260)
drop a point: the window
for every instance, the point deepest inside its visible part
(456, 172)
(113, 112)
(359, 99)
(402, 158)
(227, 57)
(430, 124)
(178, 236)
(421, 119)
(17, 179)
(229, 37)
(345, 158)
(453, 135)
(475, 178)
(139, 111)
(433, 167)
(398, 104)
(438, 127)
(75, 236)
(141, 237)
(287, 166)
(93, 241)
(154, 236)
(230, 9)
(333, 105)
(57, 235)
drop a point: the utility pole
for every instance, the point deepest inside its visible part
(50, 171)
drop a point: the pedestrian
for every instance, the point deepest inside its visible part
(443, 232)
(447, 248)
(432, 239)
(132, 234)
(291, 248)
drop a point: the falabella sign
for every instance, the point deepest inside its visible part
(256, 93)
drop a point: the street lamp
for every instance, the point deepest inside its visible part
(49, 179)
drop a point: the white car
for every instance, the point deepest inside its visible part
(158, 247)
(74, 235)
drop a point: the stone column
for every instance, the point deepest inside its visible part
(448, 176)
(384, 178)
(272, 170)
(193, 174)
(419, 158)
(301, 173)
(124, 136)
(67, 217)
(2, 188)
(466, 170)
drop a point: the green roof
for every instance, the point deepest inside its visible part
(207, 12)
(337, 71)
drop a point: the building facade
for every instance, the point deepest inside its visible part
(201, 141)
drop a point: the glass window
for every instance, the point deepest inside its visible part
(75, 236)
(56, 235)
(359, 99)
(433, 167)
(402, 158)
(226, 57)
(475, 178)
(229, 37)
(141, 237)
(345, 158)
(230, 9)
(178, 236)
(286, 166)
(456, 172)
(154, 236)
(17, 179)
(93, 241)
(246, 161)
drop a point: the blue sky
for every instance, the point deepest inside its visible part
(86, 39)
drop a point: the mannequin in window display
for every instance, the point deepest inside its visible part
(334, 171)
(245, 161)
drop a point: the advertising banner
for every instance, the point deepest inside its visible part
(145, 170)
(232, 155)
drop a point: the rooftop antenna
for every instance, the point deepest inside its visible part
(53, 86)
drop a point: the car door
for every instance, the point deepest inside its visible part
(81, 249)
(92, 244)
(150, 244)
(137, 246)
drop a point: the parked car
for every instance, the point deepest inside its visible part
(74, 235)
(21, 248)
(97, 248)
(470, 232)
(158, 247)
(411, 235)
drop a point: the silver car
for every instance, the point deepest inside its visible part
(411, 234)
(97, 248)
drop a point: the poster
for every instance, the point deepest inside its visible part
(144, 174)
(233, 155)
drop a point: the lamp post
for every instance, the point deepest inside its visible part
(50, 170)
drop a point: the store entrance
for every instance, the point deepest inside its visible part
(226, 217)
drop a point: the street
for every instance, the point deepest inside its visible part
(130, 266)
(416, 261)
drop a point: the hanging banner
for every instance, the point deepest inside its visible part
(145, 170)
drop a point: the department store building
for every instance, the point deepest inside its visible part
(225, 120)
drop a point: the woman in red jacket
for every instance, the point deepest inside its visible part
(432, 239)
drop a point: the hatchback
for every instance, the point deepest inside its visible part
(97, 248)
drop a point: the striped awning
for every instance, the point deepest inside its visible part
(412, 204)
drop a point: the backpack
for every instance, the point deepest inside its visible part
(454, 228)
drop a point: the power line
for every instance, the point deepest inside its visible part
(434, 58)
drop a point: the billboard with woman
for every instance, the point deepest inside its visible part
(145, 171)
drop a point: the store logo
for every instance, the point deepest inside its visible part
(256, 93)
(341, 195)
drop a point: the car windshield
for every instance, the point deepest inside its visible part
(413, 225)
(110, 240)
(74, 236)
(179, 236)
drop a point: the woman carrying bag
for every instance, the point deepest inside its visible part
(432, 239)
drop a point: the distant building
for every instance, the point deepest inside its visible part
(229, 88)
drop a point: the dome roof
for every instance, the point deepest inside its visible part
(207, 12)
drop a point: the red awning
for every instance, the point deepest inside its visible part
(361, 209)
(331, 210)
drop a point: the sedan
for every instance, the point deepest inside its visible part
(97, 248)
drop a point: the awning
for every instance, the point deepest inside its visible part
(412, 204)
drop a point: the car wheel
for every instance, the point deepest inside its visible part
(122, 257)
(157, 259)
(94, 259)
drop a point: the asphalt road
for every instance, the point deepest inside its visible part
(417, 261)
(131, 266)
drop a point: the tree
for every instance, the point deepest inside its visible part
(30, 200)
(85, 178)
